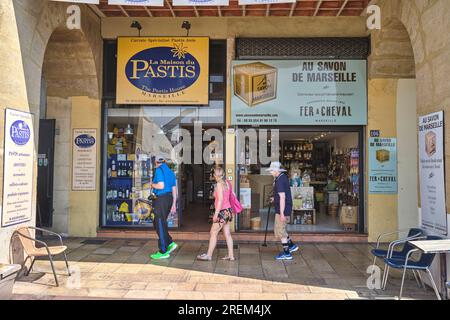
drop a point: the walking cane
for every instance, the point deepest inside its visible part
(267, 225)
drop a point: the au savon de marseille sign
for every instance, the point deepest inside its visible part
(163, 70)
(299, 92)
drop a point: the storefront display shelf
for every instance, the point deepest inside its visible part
(128, 223)
(301, 214)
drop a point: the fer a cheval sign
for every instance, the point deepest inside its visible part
(18, 167)
(163, 70)
(84, 160)
(299, 92)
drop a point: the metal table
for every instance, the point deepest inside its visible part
(441, 247)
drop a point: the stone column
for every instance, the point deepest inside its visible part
(13, 94)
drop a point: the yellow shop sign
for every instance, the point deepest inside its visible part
(162, 70)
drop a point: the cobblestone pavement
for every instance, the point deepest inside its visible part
(122, 269)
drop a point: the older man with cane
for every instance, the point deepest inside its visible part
(283, 207)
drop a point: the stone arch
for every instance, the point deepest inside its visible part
(392, 52)
(69, 66)
(37, 22)
(428, 26)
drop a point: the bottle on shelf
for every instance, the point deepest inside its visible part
(130, 169)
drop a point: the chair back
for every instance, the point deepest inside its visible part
(28, 244)
(413, 232)
(427, 258)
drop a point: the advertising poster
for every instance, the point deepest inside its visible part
(383, 166)
(299, 92)
(84, 160)
(151, 3)
(250, 2)
(80, 1)
(163, 71)
(18, 167)
(245, 195)
(200, 2)
(432, 172)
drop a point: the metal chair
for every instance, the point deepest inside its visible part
(422, 264)
(412, 234)
(33, 252)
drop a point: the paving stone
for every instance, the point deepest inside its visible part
(145, 294)
(107, 293)
(107, 251)
(128, 285)
(121, 269)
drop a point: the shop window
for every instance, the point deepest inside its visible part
(133, 137)
(324, 173)
(135, 134)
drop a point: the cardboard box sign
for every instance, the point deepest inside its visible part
(430, 143)
(255, 83)
(349, 215)
(383, 155)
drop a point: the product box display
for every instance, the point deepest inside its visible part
(255, 83)
(383, 155)
(430, 143)
(349, 215)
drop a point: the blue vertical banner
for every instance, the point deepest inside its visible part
(383, 166)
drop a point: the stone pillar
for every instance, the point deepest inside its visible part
(230, 146)
(13, 94)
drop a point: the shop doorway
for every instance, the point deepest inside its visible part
(46, 154)
(327, 188)
(196, 189)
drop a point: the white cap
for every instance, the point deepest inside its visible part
(160, 158)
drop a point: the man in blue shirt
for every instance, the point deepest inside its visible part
(282, 199)
(165, 189)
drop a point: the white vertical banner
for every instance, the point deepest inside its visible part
(18, 167)
(150, 3)
(432, 172)
(200, 2)
(250, 2)
(79, 1)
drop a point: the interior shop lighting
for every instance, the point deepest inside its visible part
(129, 130)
